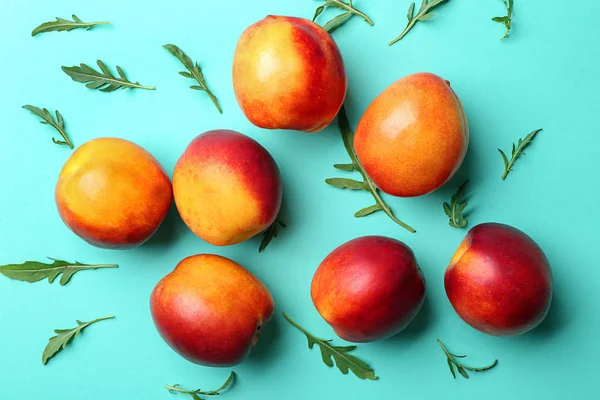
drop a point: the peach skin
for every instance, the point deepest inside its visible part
(499, 280)
(210, 310)
(369, 288)
(288, 73)
(413, 137)
(113, 193)
(227, 187)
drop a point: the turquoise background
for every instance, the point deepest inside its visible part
(543, 76)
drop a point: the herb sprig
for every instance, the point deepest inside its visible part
(461, 368)
(454, 210)
(64, 336)
(195, 72)
(195, 394)
(62, 24)
(507, 19)
(339, 20)
(48, 119)
(366, 184)
(270, 234)
(517, 151)
(423, 14)
(105, 81)
(340, 354)
(34, 271)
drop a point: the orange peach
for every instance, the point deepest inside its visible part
(113, 193)
(414, 136)
(227, 187)
(288, 74)
(211, 310)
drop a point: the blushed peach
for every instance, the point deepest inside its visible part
(227, 187)
(288, 74)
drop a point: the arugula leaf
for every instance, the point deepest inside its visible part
(454, 209)
(339, 20)
(195, 394)
(366, 184)
(507, 19)
(64, 336)
(517, 151)
(271, 233)
(105, 81)
(34, 271)
(195, 72)
(423, 14)
(48, 119)
(338, 355)
(65, 25)
(461, 368)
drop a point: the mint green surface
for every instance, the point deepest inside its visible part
(545, 75)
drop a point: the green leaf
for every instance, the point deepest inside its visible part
(47, 119)
(195, 394)
(195, 72)
(337, 355)
(64, 336)
(105, 81)
(34, 271)
(506, 20)
(339, 20)
(517, 151)
(270, 234)
(344, 183)
(344, 167)
(462, 369)
(65, 25)
(423, 14)
(411, 11)
(454, 209)
(367, 211)
(367, 184)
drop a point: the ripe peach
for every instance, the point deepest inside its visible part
(414, 136)
(227, 187)
(499, 280)
(288, 74)
(113, 193)
(369, 288)
(210, 310)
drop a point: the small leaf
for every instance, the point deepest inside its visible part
(65, 25)
(500, 19)
(47, 119)
(195, 72)
(454, 209)
(345, 183)
(345, 167)
(195, 394)
(64, 336)
(517, 151)
(411, 11)
(34, 271)
(318, 12)
(367, 211)
(425, 17)
(340, 354)
(462, 371)
(271, 233)
(105, 81)
(451, 366)
(337, 21)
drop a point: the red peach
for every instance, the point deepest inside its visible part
(210, 310)
(369, 288)
(499, 280)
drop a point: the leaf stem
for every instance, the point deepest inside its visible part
(404, 32)
(355, 11)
